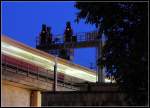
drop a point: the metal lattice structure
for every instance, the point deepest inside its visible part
(78, 40)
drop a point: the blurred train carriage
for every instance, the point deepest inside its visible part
(32, 61)
(29, 68)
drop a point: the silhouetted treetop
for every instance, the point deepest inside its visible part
(125, 53)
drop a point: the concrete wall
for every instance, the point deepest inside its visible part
(14, 96)
(92, 94)
(78, 98)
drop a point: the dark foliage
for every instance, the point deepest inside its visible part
(125, 54)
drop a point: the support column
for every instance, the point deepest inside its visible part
(71, 54)
(100, 76)
(36, 98)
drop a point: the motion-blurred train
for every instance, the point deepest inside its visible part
(22, 57)
(22, 65)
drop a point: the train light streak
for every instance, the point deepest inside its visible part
(46, 63)
(8, 48)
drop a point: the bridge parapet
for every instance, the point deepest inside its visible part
(26, 77)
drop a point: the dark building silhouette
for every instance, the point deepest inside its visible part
(68, 32)
(49, 36)
(43, 35)
(46, 41)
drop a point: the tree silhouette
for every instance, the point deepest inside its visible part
(125, 54)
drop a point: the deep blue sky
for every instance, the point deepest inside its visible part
(22, 21)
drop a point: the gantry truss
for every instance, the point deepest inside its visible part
(79, 40)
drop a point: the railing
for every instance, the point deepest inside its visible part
(29, 70)
(88, 36)
(76, 38)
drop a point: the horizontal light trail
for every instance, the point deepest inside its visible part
(12, 48)
(46, 63)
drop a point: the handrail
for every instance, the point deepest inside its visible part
(80, 37)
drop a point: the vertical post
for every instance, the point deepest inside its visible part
(28, 69)
(55, 75)
(99, 69)
(17, 67)
(37, 73)
(5, 64)
(47, 76)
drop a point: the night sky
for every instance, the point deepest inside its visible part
(22, 22)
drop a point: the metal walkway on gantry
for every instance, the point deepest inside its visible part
(87, 39)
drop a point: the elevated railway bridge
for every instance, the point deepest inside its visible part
(28, 71)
